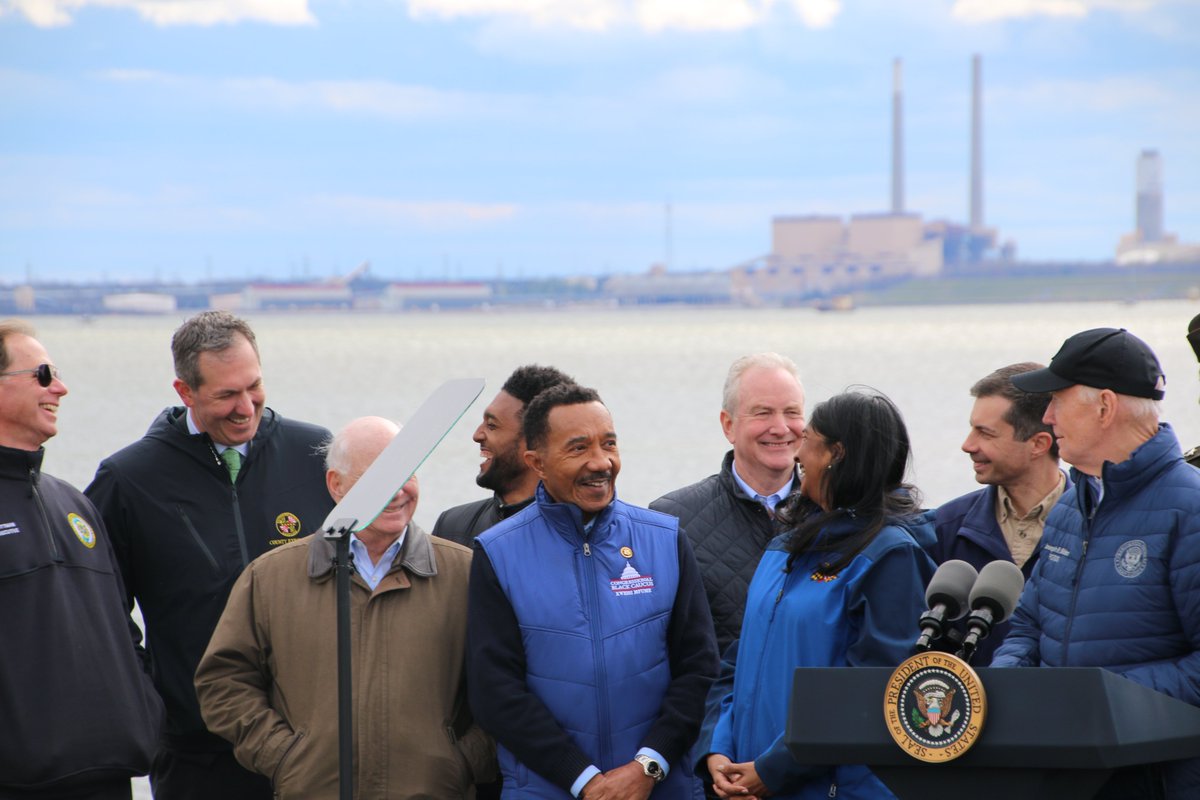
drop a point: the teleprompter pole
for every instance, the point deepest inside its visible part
(343, 566)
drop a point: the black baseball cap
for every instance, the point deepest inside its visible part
(1194, 335)
(1104, 358)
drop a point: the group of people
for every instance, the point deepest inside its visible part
(551, 640)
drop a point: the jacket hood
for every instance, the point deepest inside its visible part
(170, 427)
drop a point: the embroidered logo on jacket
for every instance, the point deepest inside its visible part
(83, 531)
(288, 525)
(631, 582)
(1131, 558)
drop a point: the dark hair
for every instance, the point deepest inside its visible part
(529, 381)
(207, 332)
(1027, 408)
(536, 424)
(866, 481)
(10, 327)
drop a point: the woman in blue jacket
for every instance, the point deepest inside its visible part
(844, 587)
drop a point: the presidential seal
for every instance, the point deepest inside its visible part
(83, 531)
(934, 706)
(1130, 560)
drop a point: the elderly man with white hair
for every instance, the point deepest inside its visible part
(1118, 583)
(267, 681)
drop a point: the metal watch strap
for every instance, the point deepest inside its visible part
(651, 767)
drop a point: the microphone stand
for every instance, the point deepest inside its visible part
(343, 566)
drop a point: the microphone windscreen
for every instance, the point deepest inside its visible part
(999, 586)
(950, 586)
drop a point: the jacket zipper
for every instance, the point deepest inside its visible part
(1088, 523)
(597, 656)
(54, 553)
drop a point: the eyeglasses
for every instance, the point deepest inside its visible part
(45, 373)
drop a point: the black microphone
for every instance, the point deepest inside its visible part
(946, 597)
(993, 600)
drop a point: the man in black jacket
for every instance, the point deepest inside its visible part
(211, 485)
(503, 450)
(729, 517)
(78, 713)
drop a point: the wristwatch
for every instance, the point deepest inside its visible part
(651, 768)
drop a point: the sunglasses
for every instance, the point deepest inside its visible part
(45, 373)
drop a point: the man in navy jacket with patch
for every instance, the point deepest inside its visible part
(590, 643)
(1118, 582)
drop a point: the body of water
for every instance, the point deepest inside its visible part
(660, 370)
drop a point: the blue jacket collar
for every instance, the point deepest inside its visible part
(567, 518)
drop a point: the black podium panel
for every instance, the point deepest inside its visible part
(1048, 733)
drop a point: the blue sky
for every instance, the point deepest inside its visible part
(189, 139)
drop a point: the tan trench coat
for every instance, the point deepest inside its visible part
(268, 680)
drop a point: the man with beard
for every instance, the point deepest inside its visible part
(590, 645)
(502, 447)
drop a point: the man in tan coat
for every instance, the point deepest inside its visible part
(267, 682)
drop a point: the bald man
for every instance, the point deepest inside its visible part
(266, 681)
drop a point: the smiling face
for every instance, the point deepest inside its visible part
(359, 444)
(228, 403)
(579, 462)
(500, 445)
(765, 427)
(998, 458)
(814, 457)
(28, 410)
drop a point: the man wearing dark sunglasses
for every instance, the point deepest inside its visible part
(213, 484)
(70, 670)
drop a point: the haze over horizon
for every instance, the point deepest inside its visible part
(523, 138)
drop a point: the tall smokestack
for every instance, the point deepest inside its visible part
(897, 139)
(976, 144)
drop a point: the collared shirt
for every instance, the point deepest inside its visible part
(243, 448)
(1022, 534)
(769, 501)
(373, 573)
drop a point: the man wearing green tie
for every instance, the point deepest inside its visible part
(213, 484)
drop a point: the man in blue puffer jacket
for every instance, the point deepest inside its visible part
(1118, 583)
(590, 644)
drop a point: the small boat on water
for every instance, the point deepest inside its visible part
(837, 302)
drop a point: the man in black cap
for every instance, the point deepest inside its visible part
(1118, 584)
(1193, 456)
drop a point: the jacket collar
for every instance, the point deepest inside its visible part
(17, 464)
(567, 518)
(1143, 466)
(735, 488)
(415, 557)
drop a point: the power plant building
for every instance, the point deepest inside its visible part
(1149, 243)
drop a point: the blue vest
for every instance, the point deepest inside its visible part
(594, 611)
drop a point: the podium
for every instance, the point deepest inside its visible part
(1053, 733)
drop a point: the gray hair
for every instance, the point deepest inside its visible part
(207, 332)
(1140, 409)
(733, 380)
(11, 327)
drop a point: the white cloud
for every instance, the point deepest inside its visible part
(648, 15)
(54, 13)
(993, 10)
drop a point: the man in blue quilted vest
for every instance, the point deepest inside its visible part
(590, 644)
(1118, 582)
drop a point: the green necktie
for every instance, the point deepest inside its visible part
(233, 460)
